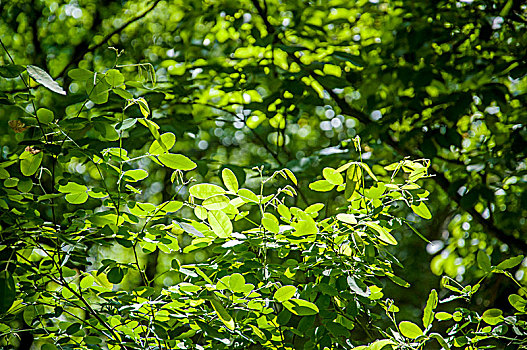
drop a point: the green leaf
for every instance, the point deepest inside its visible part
(284, 212)
(440, 340)
(353, 177)
(72, 187)
(301, 307)
(510, 263)
(220, 223)
(410, 330)
(368, 170)
(11, 182)
(270, 223)
(176, 161)
(45, 116)
(92, 340)
(114, 77)
(48, 347)
(7, 291)
(74, 328)
(355, 287)
(163, 144)
(493, 316)
(76, 194)
(76, 198)
(143, 106)
(126, 124)
(431, 304)
(29, 314)
(332, 176)
(169, 207)
(224, 316)
(380, 345)
(115, 275)
(304, 227)
(229, 179)
(291, 176)
(87, 281)
(135, 175)
(321, 186)
(204, 191)
(337, 330)
(347, 218)
(29, 163)
(518, 302)
(236, 282)
(218, 202)
(422, 210)
(443, 316)
(123, 93)
(80, 74)
(284, 293)
(483, 261)
(97, 91)
(11, 71)
(248, 196)
(43, 78)
(384, 235)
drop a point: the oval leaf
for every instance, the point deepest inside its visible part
(177, 161)
(332, 176)
(422, 210)
(301, 307)
(204, 191)
(510, 263)
(284, 293)
(218, 202)
(220, 223)
(229, 179)
(321, 186)
(223, 314)
(163, 144)
(43, 78)
(29, 163)
(135, 175)
(492, 316)
(410, 330)
(45, 116)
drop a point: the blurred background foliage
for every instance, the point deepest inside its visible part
(289, 84)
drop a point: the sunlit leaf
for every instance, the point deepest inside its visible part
(422, 210)
(43, 78)
(410, 330)
(223, 315)
(176, 161)
(163, 144)
(29, 163)
(204, 191)
(301, 307)
(229, 179)
(220, 223)
(284, 293)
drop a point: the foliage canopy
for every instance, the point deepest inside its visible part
(263, 174)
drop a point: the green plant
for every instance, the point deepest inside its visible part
(272, 275)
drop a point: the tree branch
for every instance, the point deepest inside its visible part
(83, 53)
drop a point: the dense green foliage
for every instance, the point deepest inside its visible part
(263, 174)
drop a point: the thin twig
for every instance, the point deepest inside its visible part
(106, 39)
